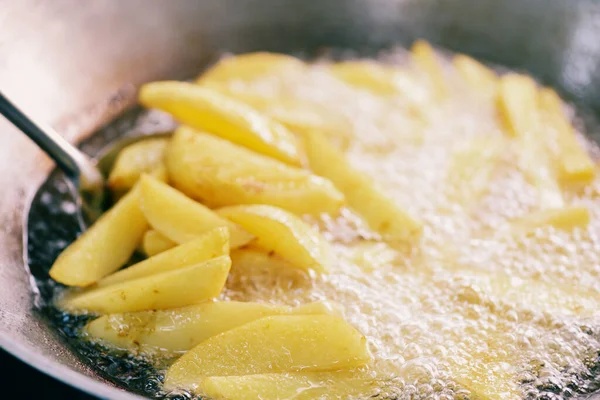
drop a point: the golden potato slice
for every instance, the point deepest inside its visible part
(219, 173)
(295, 385)
(180, 218)
(380, 212)
(284, 233)
(205, 109)
(104, 247)
(211, 244)
(273, 344)
(519, 107)
(369, 75)
(479, 77)
(567, 218)
(574, 165)
(176, 288)
(154, 243)
(424, 57)
(183, 328)
(247, 67)
(136, 159)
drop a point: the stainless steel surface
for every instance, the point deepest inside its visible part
(64, 60)
(76, 165)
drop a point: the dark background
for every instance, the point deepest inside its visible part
(34, 384)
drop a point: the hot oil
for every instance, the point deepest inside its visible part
(437, 321)
(434, 326)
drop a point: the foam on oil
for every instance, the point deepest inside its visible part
(469, 310)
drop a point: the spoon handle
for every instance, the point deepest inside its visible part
(75, 164)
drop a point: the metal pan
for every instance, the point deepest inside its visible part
(64, 61)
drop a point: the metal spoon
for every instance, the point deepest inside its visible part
(85, 174)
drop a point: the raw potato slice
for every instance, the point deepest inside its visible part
(424, 57)
(180, 218)
(183, 328)
(219, 173)
(381, 213)
(285, 386)
(574, 164)
(104, 247)
(205, 109)
(273, 344)
(154, 243)
(284, 233)
(177, 288)
(476, 75)
(247, 67)
(209, 245)
(136, 159)
(566, 219)
(519, 106)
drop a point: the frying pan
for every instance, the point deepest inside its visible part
(65, 61)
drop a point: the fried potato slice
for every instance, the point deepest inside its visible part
(180, 218)
(104, 247)
(273, 344)
(284, 233)
(574, 164)
(566, 219)
(380, 212)
(136, 159)
(297, 386)
(424, 57)
(154, 243)
(518, 105)
(176, 288)
(472, 168)
(478, 76)
(219, 173)
(205, 109)
(183, 328)
(211, 244)
(247, 67)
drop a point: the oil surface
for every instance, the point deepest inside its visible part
(438, 319)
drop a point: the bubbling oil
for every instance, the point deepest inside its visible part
(437, 324)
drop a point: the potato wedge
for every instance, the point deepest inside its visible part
(205, 109)
(296, 385)
(154, 243)
(472, 169)
(104, 247)
(284, 233)
(219, 173)
(518, 104)
(136, 159)
(485, 384)
(211, 244)
(247, 67)
(181, 219)
(424, 57)
(566, 219)
(176, 288)
(478, 76)
(574, 165)
(273, 344)
(183, 328)
(381, 213)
